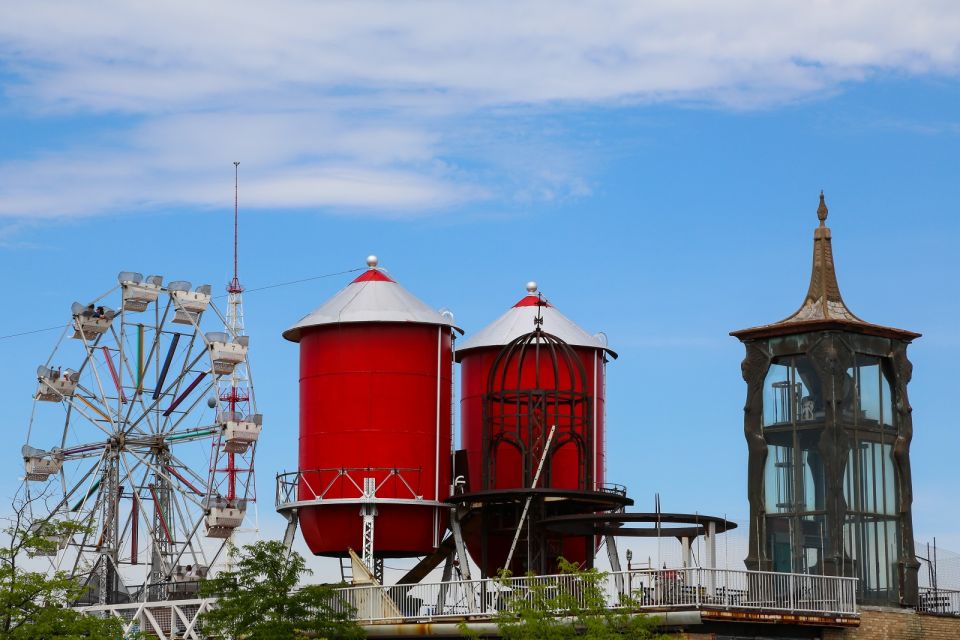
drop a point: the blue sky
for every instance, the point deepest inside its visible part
(654, 167)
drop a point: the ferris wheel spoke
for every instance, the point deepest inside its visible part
(145, 366)
(68, 494)
(186, 369)
(137, 378)
(136, 402)
(163, 474)
(140, 508)
(104, 409)
(91, 358)
(166, 393)
(223, 319)
(89, 530)
(172, 428)
(203, 432)
(193, 526)
(187, 354)
(76, 407)
(137, 509)
(190, 471)
(86, 450)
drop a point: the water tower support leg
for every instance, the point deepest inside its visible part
(470, 595)
(447, 577)
(369, 513)
(614, 556)
(711, 542)
(461, 547)
(288, 535)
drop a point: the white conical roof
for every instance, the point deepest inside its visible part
(519, 320)
(372, 297)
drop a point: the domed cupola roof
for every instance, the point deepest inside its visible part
(519, 320)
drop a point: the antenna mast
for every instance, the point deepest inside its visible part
(234, 286)
(233, 472)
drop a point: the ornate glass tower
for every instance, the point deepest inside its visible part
(828, 427)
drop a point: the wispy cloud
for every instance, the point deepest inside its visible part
(361, 104)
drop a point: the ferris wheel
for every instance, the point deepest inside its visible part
(143, 430)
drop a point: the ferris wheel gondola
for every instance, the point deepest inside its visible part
(124, 445)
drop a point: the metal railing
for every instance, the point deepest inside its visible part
(946, 601)
(642, 590)
(164, 620)
(639, 590)
(346, 485)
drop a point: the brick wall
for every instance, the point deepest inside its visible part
(898, 624)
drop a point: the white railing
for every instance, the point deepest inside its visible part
(164, 619)
(641, 590)
(939, 601)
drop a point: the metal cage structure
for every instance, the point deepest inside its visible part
(538, 457)
(537, 382)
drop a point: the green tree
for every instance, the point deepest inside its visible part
(35, 605)
(571, 606)
(260, 600)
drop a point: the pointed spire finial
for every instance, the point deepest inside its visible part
(822, 210)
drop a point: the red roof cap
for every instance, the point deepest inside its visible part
(532, 301)
(373, 275)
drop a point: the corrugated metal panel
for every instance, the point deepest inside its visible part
(372, 297)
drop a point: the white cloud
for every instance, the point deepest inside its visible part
(356, 103)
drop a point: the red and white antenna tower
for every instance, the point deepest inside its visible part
(235, 392)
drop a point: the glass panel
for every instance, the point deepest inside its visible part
(870, 479)
(809, 399)
(776, 395)
(779, 534)
(813, 544)
(790, 395)
(872, 544)
(868, 383)
(888, 502)
(811, 496)
(849, 473)
(778, 481)
(886, 400)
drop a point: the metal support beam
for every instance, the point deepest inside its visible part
(464, 559)
(614, 558)
(460, 545)
(369, 512)
(445, 579)
(293, 519)
(526, 506)
(710, 539)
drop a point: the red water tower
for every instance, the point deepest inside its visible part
(531, 369)
(375, 422)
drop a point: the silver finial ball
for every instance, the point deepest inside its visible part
(211, 402)
(532, 287)
(372, 261)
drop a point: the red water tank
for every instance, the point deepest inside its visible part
(375, 414)
(477, 355)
